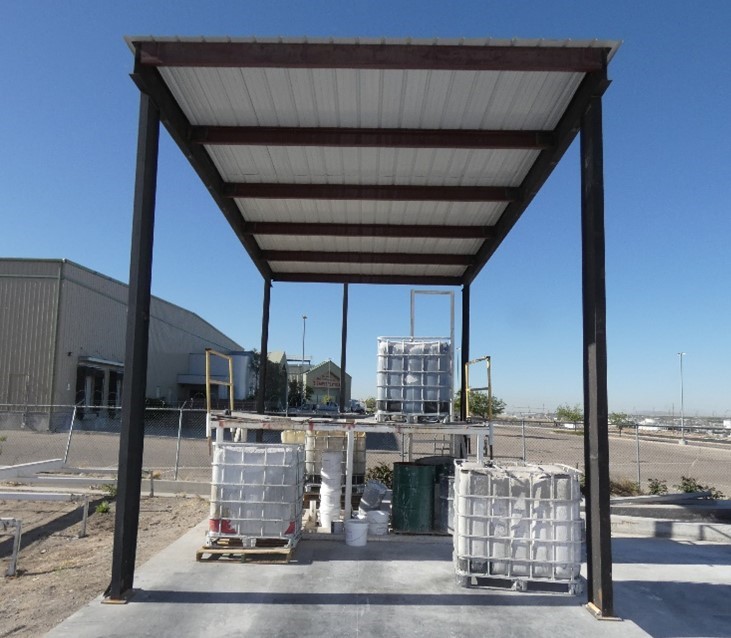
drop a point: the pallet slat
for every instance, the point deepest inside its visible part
(257, 554)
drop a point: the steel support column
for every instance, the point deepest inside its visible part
(343, 348)
(135, 359)
(263, 356)
(465, 350)
(596, 441)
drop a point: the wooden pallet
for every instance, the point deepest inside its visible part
(571, 587)
(266, 551)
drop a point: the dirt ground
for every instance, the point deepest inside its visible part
(58, 572)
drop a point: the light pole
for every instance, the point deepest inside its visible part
(682, 406)
(304, 394)
(304, 327)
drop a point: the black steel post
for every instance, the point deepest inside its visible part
(596, 438)
(263, 358)
(135, 360)
(465, 354)
(343, 349)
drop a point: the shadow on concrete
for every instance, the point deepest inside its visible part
(672, 552)
(675, 609)
(476, 597)
(322, 552)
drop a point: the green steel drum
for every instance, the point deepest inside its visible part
(443, 469)
(413, 498)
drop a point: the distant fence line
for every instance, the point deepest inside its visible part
(87, 438)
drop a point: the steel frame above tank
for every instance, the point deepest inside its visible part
(168, 71)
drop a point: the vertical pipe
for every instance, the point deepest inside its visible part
(596, 429)
(68, 441)
(138, 322)
(522, 436)
(208, 380)
(263, 352)
(84, 516)
(177, 445)
(231, 383)
(413, 301)
(349, 454)
(637, 440)
(12, 565)
(489, 400)
(343, 349)
(465, 349)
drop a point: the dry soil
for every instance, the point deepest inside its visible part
(58, 572)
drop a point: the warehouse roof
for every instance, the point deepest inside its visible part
(371, 161)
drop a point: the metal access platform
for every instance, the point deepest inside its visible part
(217, 421)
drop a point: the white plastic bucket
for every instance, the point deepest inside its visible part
(356, 532)
(327, 516)
(332, 466)
(372, 495)
(377, 523)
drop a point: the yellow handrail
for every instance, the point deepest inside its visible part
(466, 398)
(229, 384)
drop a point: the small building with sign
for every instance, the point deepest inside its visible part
(324, 379)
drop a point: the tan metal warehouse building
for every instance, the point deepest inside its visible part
(62, 338)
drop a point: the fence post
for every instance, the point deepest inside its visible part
(637, 439)
(68, 441)
(177, 445)
(522, 436)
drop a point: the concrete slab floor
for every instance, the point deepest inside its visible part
(401, 587)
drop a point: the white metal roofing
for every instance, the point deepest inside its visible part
(445, 99)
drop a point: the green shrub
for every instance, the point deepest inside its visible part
(657, 487)
(110, 489)
(381, 472)
(103, 508)
(624, 487)
(689, 484)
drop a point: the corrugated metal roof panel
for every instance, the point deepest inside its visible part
(371, 98)
(375, 88)
(437, 167)
(371, 212)
(420, 245)
(612, 45)
(417, 270)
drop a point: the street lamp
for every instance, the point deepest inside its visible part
(302, 369)
(304, 326)
(682, 406)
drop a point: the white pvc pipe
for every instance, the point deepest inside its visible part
(349, 475)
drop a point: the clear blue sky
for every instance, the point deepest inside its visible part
(68, 118)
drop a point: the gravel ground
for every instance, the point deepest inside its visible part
(58, 572)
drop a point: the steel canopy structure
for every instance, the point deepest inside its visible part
(374, 161)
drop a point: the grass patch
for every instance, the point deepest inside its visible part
(624, 487)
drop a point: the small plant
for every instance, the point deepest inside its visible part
(2, 440)
(110, 489)
(624, 487)
(382, 473)
(103, 508)
(657, 487)
(689, 484)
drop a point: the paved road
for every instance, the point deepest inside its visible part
(660, 459)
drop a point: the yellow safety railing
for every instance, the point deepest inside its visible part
(468, 389)
(209, 381)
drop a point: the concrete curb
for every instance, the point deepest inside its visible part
(675, 530)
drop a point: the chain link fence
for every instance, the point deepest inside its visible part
(176, 447)
(636, 455)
